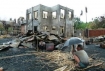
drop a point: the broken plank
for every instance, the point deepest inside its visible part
(26, 44)
(61, 69)
(93, 65)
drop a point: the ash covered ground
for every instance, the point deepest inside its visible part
(24, 59)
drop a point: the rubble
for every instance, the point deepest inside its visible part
(4, 36)
(102, 45)
(3, 46)
(64, 60)
(95, 40)
(32, 40)
(54, 60)
(61, 69)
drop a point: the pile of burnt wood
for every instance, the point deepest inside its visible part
(102, 45)
(35, 40)
(47, 39)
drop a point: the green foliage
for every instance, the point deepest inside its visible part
(81, 25)
(10, 29)
(1, 26)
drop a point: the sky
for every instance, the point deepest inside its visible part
(16, 8)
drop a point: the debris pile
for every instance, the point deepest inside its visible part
(59, 58)
(95, 40)
(33, 39)
(65, 61)
(4, 36)
(100, 40)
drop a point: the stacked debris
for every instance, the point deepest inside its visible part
(96, 40)
(100, 41)
(33, 39)
(64, 60)
(102, 45)
(4, 36)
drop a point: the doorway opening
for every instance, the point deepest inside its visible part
(35, 29)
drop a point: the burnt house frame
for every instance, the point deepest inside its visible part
(58, 22)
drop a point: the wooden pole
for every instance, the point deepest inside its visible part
(65, 22)
(86, 18)
(37, 45)
(86, 14)
(32, 21)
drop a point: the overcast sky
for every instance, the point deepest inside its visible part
(16, 8)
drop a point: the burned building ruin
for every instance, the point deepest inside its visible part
(57, 19)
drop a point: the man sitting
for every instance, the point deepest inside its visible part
(80, 56)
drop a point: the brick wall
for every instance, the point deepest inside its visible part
(95, 33)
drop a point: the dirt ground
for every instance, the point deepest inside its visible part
(27, 59)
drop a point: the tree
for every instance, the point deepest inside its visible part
(10, 19)
(83, 26)
(76, 22)
(99, 22)
(20, 19)
(6, 26)
(102, 22)
(1, 27)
